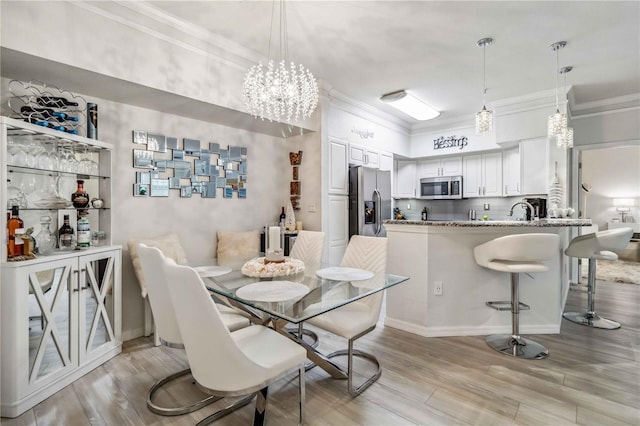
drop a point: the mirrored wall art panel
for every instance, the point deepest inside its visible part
(174, 183)
(140, 190)
(185, 192)
(156, 142)
(139, 137)
(159, 188)
(207, 168)
(191, 146)
(172, 143)
(142, 159)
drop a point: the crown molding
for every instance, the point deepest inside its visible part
(605, 105)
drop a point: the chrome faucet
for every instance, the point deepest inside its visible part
(524, 203)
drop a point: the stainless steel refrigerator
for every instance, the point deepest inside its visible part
(369, 201)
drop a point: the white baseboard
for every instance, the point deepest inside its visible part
(469, 330)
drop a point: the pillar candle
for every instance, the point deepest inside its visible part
(274, 238)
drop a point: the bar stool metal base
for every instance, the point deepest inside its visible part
(517, 346)
(591, 319)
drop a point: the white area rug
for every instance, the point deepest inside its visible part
(618, 271)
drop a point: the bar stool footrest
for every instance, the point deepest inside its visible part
(505, 305)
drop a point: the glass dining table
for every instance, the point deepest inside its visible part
(278, 301)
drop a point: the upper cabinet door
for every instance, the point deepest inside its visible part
(338, 167)
(428, 168)
(372, 158)
(472, 176)
(451, 166)
(511, 171)
(357, 155)
(406, 179)
(535, 166)
(386, 161)
(492, 174)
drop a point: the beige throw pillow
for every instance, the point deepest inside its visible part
(237, 247)
(169, 245)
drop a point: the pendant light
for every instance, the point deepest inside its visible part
(280, 90)
(484, 118)
(557, 122)
(565, 138)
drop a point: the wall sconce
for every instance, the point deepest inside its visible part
(623, 206)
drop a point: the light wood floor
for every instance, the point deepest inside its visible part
(592, 377)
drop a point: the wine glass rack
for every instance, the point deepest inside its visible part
(47, 106)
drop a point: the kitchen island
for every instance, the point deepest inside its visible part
(438, 256)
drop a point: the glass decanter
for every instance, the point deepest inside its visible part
(45, 240)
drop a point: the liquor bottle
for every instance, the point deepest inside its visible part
(15, 225)
(66, 235)
(84, 231)
(55, 101)
(424, 213)
(283, 216)
(80, 198)
(92, 120)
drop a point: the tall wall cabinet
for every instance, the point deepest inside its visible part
(60, 313)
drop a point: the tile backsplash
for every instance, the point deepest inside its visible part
(459, 209)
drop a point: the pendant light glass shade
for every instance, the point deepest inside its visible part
(565, 138)
(281, 89)
(484, 118)
(557, 122)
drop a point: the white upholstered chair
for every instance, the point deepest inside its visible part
(521, 253)
(593, 247)
(229, 363)
(358, 318)
(308, 248)
(151, 263)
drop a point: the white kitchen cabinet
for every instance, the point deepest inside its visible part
(364, 156)
(405, 179)
(449, 166)
(60, 319)
(482, 175)
(338, 167)
(511, 171)
(534, 163)
(386, 161)
(338, 227)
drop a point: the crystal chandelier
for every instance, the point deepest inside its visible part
(484, 118)
(565, 138)
(280, 90)
(557, 122)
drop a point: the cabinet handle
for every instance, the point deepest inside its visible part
(505, 189)
(484, 190)
(518, 186)
(479, 190)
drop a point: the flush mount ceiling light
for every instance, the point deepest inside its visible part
(280, 90)
(565, 138)
(409, 104)
(484, 118)
(557, 122)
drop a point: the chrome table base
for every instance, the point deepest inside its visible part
(517, 346)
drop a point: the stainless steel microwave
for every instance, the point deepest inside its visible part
(441, 188)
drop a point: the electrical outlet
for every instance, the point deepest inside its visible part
(311, 208)
(437, 288)
(409, 206)
(487, 206)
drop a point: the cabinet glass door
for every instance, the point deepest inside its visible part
(97, 307)
(51, 313)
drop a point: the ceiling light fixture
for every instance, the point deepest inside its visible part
(409, 104)
(484, 118)
(280, 90)
(557, 122)
(565, 138)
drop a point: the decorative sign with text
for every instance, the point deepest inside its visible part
(363, 133)
(450, 142)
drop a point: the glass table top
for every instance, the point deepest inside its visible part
(306, 294)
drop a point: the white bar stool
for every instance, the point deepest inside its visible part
(521, 253)
(593, 247)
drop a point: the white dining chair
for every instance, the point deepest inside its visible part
(358, 318)
(230, 363)
(308, 248)
(151, 263)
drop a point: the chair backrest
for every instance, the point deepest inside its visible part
(586, 246)
(518, 248)
(308, 248)
(215, 361)
(151, 261)
(369, 253)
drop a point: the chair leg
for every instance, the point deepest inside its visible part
(261, 406)
(590, 318)
(226, 410)
(302, 391)
(350, 353)
(515, 345)
(176, 411)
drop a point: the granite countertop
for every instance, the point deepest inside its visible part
(498, 223)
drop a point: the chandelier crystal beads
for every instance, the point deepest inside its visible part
(484, 118)
(280, 90)
(557, 122)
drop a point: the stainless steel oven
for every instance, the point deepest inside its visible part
(441, 188)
